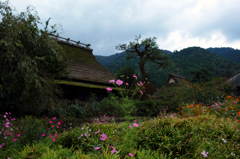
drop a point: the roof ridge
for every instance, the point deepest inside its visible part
(235, 73)
(71, 44)
(176, 75)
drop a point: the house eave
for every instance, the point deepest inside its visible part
(87, 85)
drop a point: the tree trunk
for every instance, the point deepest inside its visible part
(145, 75)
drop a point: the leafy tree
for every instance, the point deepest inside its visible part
(206, 74)
(126, 74)
(201, 75)
(29, 63)
(147, 50)
(196, 74)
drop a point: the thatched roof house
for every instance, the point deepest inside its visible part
(86, 73)
(173, 82)
(235, 80)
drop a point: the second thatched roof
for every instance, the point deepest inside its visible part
(170, 86)
(235, 79)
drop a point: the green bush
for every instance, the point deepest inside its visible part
(77, 111)
(67, 108)
(31, 129)
(170, 104)
(92, 107)
(63, 107)
(214, 90)
(110, 107)
(147, 108)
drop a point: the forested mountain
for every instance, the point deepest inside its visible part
(227, 52)
(184, 61)
(105, 60)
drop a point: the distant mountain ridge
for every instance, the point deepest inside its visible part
(224, 61)
(227, 52)
(105, 60)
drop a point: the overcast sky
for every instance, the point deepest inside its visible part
(176, 24)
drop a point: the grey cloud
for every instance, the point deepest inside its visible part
(105, 24)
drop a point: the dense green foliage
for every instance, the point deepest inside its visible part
(126, 74)
(105, 60)
(215, 89)
(29, 63)
(228, 53)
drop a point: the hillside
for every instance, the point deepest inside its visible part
(106, 60)
(184, 60)
(191, 59)
(227, 52)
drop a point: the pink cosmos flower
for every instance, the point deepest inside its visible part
(111, 81)
(50, 121)
(54, 118)
(126, 83)
(135, 76)
(130, 126)
(43, 135)
(112, 147)
(141, 92)
(135, 124)
(59, 123)
(130, 154)
(119, 82)
(136, 120)
(108, 89)
(96, 148)
(104, 136)
(97, 132)
(14, 139)
(141, 83)
(138, 84)
(113, 151)
(53, 140)
(18, 135)
(204, 154)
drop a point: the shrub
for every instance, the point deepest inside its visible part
(110, 107)
(31, 129)
(147, 107)
(92, 107)
(214, 90)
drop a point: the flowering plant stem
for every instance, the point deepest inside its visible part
(127, 105)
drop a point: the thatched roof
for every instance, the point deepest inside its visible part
(235, 79)
(171, 84)
(83, 66)
(174, 78)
